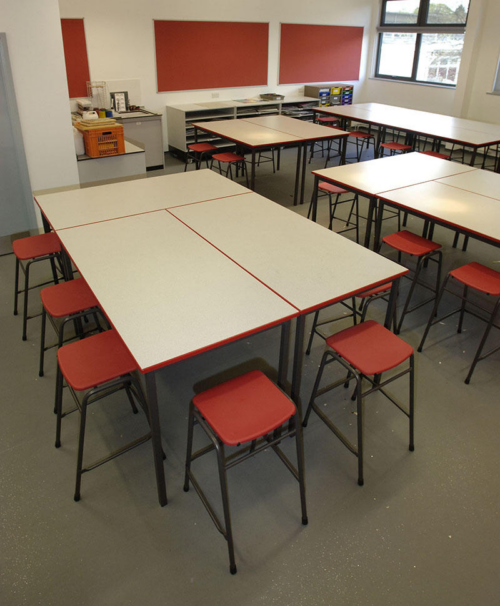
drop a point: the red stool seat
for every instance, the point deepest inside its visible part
(375, 291)
(68, 298)
(327, 119)
(411, 244)
(359, 134)
(370, 348)
(436, 155)
(332, 189)
(36, 246)
(228, 157)
(395, 146)
(245, 408)
(202, 147)
(479, 277)
(95, 360)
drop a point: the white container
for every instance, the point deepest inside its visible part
(79, 143)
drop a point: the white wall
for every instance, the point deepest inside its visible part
(120, 40)
(35, 47)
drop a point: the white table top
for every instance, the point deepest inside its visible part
(243, 131)
(449, 128)
(104, 202)
(458, 208)
(299, 128)
(305, 263)
(392, 172)
(168, 292)
(482, 182)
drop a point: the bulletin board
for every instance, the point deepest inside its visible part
(319, 53)
(192, 55)
(75, 53)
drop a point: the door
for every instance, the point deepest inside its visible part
(17, 215)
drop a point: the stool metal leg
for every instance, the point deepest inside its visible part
(16, 286)
(81, 440)
(477, 357)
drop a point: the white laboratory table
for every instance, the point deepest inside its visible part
(82, 206)
(468, 133)
(383, 174)
(481, 182)
(274, 131)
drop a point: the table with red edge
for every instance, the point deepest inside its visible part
(274, 131)
(193, 277)
(468, 133)
(373, 177)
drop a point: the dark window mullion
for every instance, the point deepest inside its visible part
(423, 13)
(416, 57)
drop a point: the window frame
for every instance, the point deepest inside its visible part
(419, 28)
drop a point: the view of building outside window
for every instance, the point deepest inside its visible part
(439, 54)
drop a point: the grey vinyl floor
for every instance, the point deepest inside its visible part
(422, 531)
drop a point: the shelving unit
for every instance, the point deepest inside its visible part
(180, 118)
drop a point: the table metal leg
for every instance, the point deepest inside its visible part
(378, 226)
(343, 145)
(154, 421)
(284, 349)
(391, 306)
(252, 179)
(195, 135)
(315, 199)
(304, 164)
(297, 174)
(369, 220)
(278, 160)
(298, 356)
(473, 157)
(381, 130)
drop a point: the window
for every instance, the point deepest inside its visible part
(421, 40)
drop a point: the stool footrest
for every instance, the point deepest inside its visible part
(118, 452)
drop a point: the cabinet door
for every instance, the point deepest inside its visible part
(147, 132)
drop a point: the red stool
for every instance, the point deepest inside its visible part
(330, 190)
(248, 409)
(360, 139)
(436, 155)
(480, 278)
(424, 250)
(72, 301)
(199, 151)
(394, 146)
(230, 158)
(45, 247)
(366, 351)
(102, 365)
(330, 121)
(367, 297)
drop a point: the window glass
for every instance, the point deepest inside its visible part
(439, 58)
(402, 12)
(396, 54)
(448, 12)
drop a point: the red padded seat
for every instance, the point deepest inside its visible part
(396, 146)
(36, 246)
(245, 408)
(95, 360)
(328, 119)
(202, 147)
(68, 298)
(370, 348)
(411, 244)
(331, 189)
(359, 134)
(479, 277)
(436, 155)
(375, 291)
(228, 157)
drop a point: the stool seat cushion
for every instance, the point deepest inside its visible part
(375, 291)
(370, 348)
(360, 134)
(68, 298)
(245, 408)
(411, 244)
(332, 189)
(395, 146)
(202, 147)
(36, 246)
(95, 360)
(479, 277)
(436, 155)
(327, 119)
(228, 157)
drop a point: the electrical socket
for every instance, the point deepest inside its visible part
(215, 95)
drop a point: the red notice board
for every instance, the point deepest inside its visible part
(75, 53)
(194, 55)
(319, 53)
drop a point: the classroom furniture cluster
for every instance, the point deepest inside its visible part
(202, 233)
